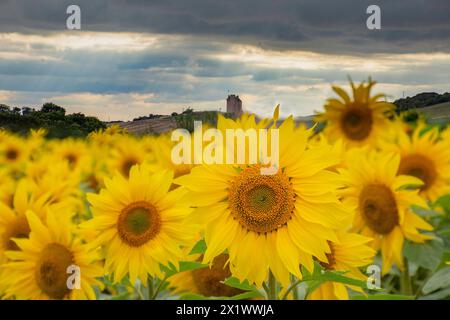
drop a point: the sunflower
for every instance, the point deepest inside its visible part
(268, 222)
(73, 151)
(382, 200)
(41, 270)
(115, 130)
(348, 254)
(7, 186)
(141, 225)
(13, 222)
(425, 156)
(128, 152)
(206, 281)
(14, 152)
(360, 121)
(41, 178)
(163, 151)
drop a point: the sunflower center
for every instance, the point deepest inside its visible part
(208, 281)
(19, 228)
(420, 167)
(127, 165)
(261, 203)
(12, 154)
(71, 159)
(379, 208)
(138, 223)
(356, 122)
(51, 270)
(93, 182)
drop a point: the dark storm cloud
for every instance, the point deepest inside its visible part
(325, 26)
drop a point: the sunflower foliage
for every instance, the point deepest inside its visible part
(357, 208)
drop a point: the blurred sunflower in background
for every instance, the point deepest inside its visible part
(41, 269)
(13, 222)
(7, 186)
(163, 157)
(424, 155)
(349, 253)
(206, 281)
(14, 153)
(359, 120)
(382, 200)
(128, 152)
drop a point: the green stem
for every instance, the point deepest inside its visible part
(139, 292)
(155, 294)
(406, 284)
(150, 287)
(293, 286)
(273, 292)
(419, 289)
(293, 280)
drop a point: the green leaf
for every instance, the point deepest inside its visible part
(382, 297)
(193, 296)
(169, 270)
(199, 248)
(440, 294)
(123, 296)
(321, 275)
(439, 280)
(191, 265)
(242, 296)
(426, 212)
(427, 255)
(444, 202)
(184, 266)
(247, 295)
(235, 283)
(446, 256)
(337, 277)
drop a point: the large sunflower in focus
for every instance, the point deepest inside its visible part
(348, 254)
(140, 223)
(424, 156)
(382, 200)
(360, 120)
(269, 222)
(46, 260)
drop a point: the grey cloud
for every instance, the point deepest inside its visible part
(326, 26)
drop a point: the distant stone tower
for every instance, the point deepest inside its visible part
(234, 105)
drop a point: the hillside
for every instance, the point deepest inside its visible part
(158, 124)
(421, 100)
(439, 113)
(149, 126)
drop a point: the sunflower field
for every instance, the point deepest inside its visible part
(358, 209)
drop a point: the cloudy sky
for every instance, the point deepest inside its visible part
(138, 57)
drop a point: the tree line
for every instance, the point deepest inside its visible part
(51, 117)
